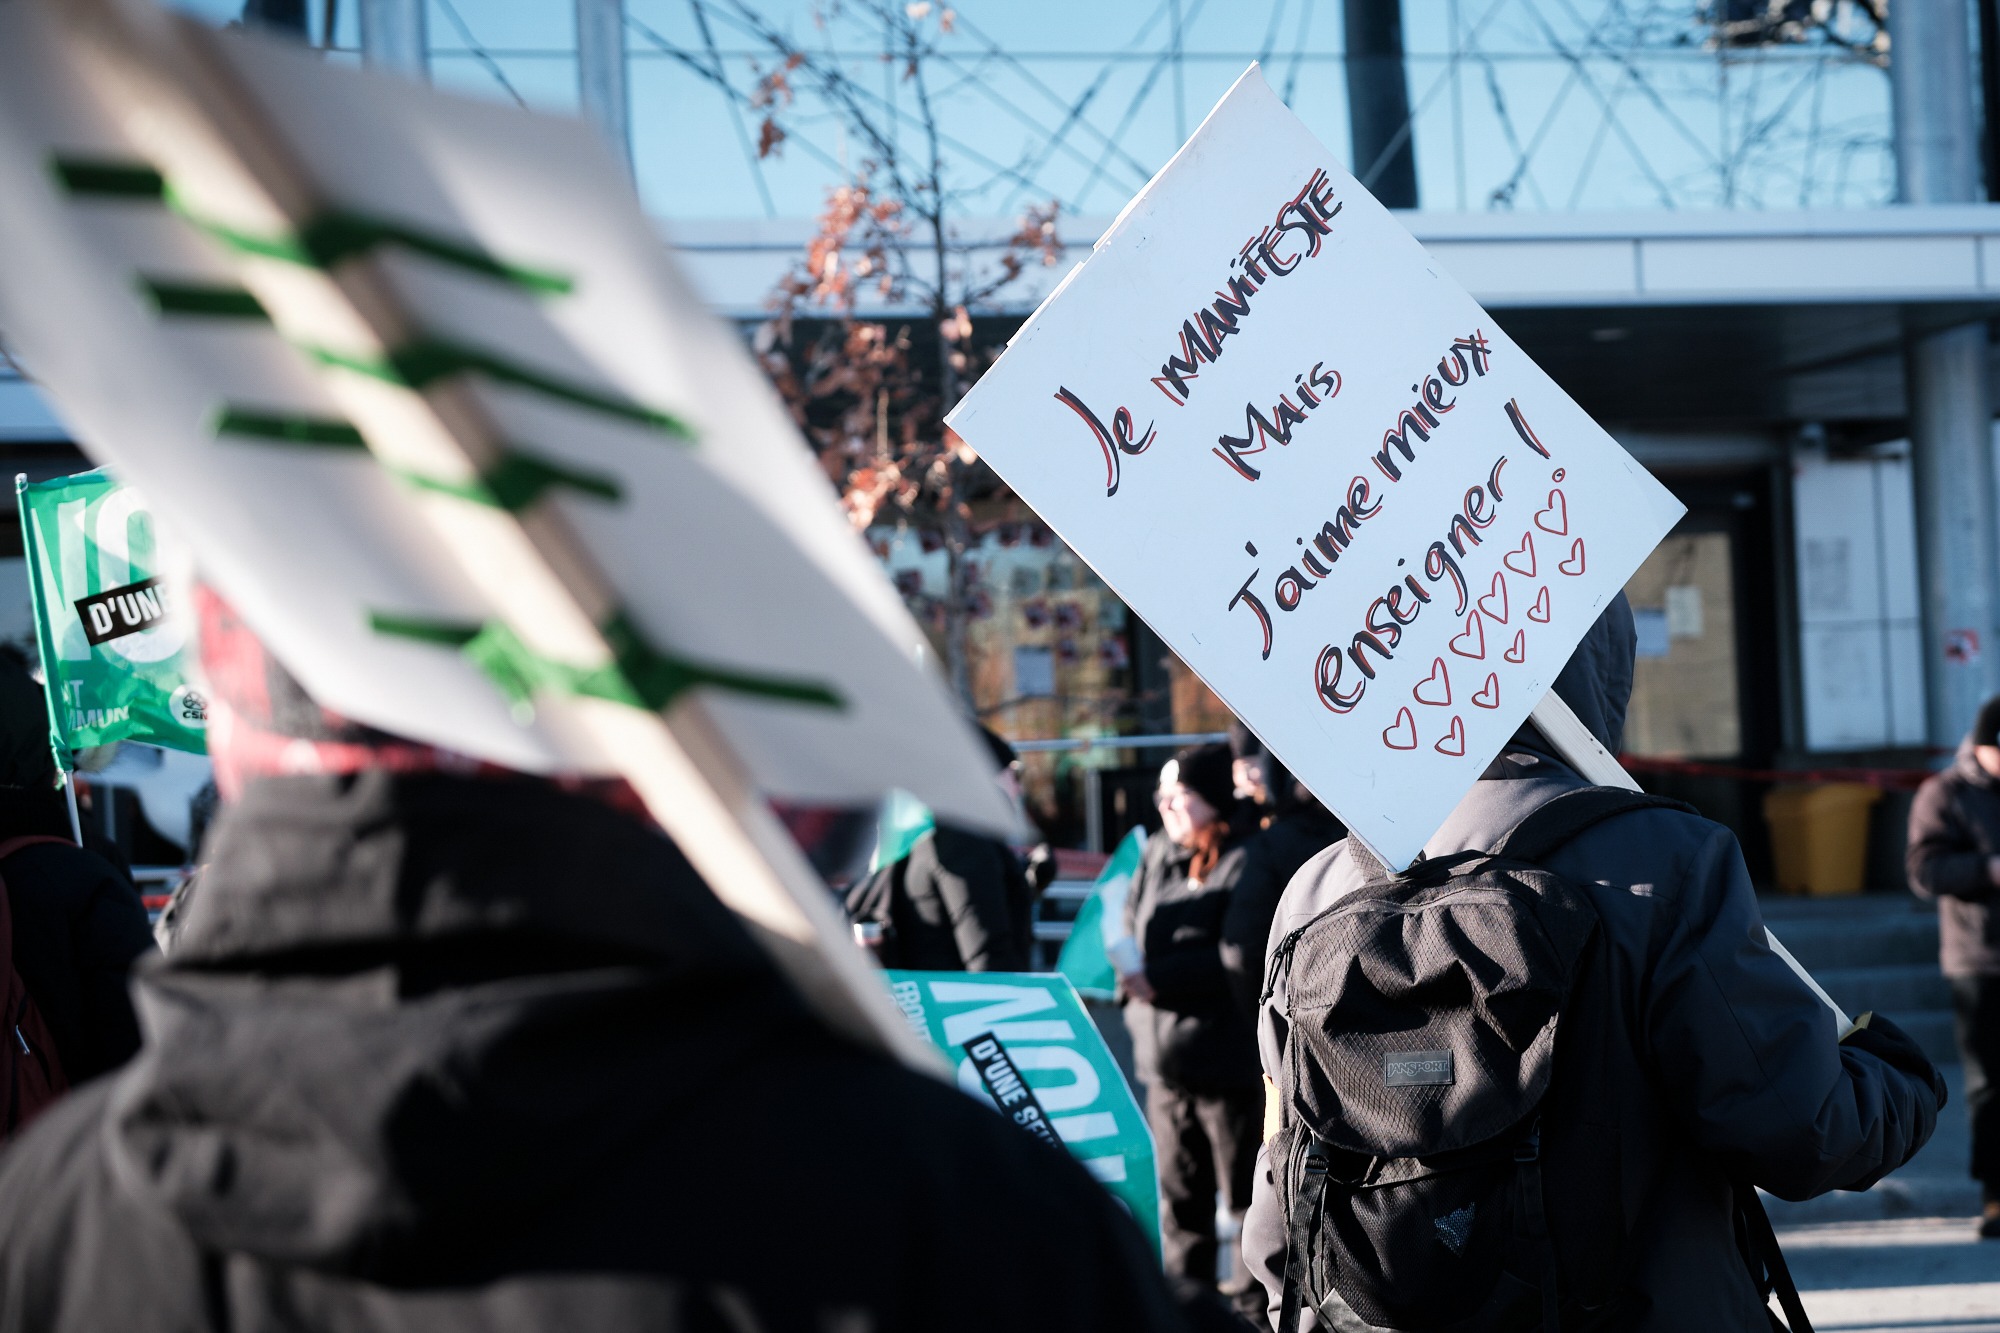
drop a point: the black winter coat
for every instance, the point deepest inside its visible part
(962, 904)
(1192, 1036)
(447, 1053)
(1270, 859)
(1954, 830)
(1689, 1054)
(78, 926)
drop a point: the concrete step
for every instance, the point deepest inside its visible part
(1902, 989)
(1824, 943)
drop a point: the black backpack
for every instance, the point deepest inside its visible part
(1422, 1012)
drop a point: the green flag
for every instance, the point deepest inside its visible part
(902, 825)
(1085, 959)
(1024, 1041)
(114, 649)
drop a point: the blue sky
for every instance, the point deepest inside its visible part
(1535, 105)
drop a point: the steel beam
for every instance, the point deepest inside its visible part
(394, 36)
(600, 72)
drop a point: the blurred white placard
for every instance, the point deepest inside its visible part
(1318, 469)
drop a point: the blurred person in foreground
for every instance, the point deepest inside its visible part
(444, 1046)
(78, 922)
(1291, 827)
(1194, 1050)
(1954, 858)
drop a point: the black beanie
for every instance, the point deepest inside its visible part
(1004, 755)
(1205, 770)
(1986, 729)
(1243, 742)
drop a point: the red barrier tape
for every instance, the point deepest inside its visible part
(1882, 779)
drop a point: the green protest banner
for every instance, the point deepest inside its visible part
(114, 653)
(1024, 1040)
(1100, 924)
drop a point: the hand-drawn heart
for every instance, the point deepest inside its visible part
(1519, 652)
(1494, 603)
(1560, 508)
(1540, 610)
(1489, 693)
(1438, 682)
(1453, 743)
(1522, 559)
(1402, 734)
(1575, 558)
(1471, 643)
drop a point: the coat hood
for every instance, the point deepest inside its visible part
(385, 986)
(1965, 764)
(1596, 682)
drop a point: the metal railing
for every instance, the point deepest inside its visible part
(1093, 779)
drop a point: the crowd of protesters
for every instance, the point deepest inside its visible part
(442, 1044)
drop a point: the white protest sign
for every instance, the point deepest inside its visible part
(1318, 469)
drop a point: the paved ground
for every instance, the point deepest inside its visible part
(1901, 1257)
(1910, 1275)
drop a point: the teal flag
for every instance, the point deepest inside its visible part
(902, 824)
(1085, 957)
(115, 652)
(1023, 1041)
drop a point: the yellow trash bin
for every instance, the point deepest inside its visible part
(1819, 836)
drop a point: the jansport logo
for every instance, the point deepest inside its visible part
(1404, 1069)
(120, 611)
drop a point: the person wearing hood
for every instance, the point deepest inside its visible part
(1291, 828)
(1691, 1062)
(961, 901)
(442, 1045)
(1954, 859)
(1192, 1048)
(78, 922)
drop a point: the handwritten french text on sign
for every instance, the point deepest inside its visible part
(1318, 469)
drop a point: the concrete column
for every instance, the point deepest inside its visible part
(1378, 102)
(394, 35)
(1950, 403)
(600, 71)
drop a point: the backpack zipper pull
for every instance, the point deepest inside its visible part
(1281, 963)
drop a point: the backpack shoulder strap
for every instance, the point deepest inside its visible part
(12, 845)
(1556, 821)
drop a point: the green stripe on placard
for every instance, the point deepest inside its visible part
(326, 240)
(517, 481)
(205, 299)
(418, 364)
(95, 178)
(639, 675)
(287, 428)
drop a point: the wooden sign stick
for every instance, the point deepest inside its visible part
(1582, 751)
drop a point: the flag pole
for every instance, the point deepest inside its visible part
(1580, 748)
(69, 793)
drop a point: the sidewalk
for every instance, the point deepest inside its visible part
(1909, 1275)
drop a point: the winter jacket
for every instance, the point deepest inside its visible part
(439, 1052)
(79, 925)
(1689, 1054)
(1192, 1035)
(963, 905)
(1270, 859)
(1954, 829)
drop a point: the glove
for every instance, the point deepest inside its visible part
(1894, 1047)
